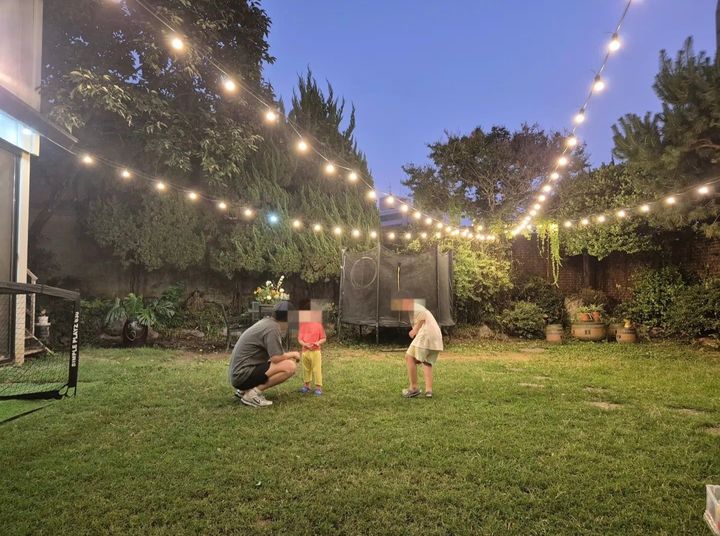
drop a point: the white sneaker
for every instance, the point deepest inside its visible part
(255, 398)
(239, 393)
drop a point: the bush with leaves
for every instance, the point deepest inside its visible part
(695, 311)
(545, 295)
(654, 292)
(524, 319)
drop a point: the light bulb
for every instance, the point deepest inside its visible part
(302, 146)
(248, 212)
(585, 221)
(330, 168)
(547, 188)
(352, 176)
(177, 43)
(645, 208)
(537, 206)
(404, 208)
(160, 186)
(417, 215)
(87, 159)
(563, 161)
(125, 174)
(408, 236)
(554, 176)
(297, 224)
(601, 219)
(438, 235)
(271, 116)
(568, 224)
(614, 44)
(670, 200)
(533, 212)
(572, 141)
(317, 227)
(355, 233)
(621, 213)
(192, 196)
(428, 221)
(704, 190)
(480, 227)
(373, 234)
(337, 231)
(542, 198)
(579, 117)
(439, 225)
(391, 236)
(423, 235)
(598, 84)
(222, 205)
(229, 85)
(371, 194)
(389, 200)
(273, 218)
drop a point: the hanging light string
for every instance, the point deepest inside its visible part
(705, 190)
(305, 142)
(597, 86)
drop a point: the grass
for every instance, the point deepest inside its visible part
(511, 444)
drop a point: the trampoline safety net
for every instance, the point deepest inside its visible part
(371, 279)
(38, 360)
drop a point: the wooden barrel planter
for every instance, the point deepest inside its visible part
(612, 331)
(589, 331)
(626, 335)
(554, 333)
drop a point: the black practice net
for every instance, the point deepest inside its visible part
(38, 341)
(371, 279)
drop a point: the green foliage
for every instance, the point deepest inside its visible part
(603, 190)
(548, 235)
(695, 311)
(524, 319)
(92, 319)
(680, 146)
(654, 292)
(481, 280)
(545, 296)
(591, 296)
(487, 175)
(150, 313)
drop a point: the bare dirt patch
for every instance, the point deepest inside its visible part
(606, 406)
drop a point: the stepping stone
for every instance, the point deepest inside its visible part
(607, 406)
(536, 385)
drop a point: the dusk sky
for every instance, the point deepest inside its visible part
(415, 69)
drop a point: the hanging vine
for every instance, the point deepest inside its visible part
(549, 240)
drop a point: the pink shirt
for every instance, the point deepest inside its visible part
(311, 332)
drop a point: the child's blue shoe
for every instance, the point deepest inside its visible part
(318, 391)
(304, 390)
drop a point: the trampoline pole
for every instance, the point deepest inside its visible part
(377, 298)
(437, 280)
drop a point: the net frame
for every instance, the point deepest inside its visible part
(14, 289)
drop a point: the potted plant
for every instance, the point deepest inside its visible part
(596, 312)
(269, 294)
(584, 314)
(137, 316)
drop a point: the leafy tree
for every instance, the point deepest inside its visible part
(679, 146)
(488, 175)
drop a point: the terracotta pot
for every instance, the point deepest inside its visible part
(585, 317)
(589, 331)
(554, 333)
(596, 316)
(626, 336)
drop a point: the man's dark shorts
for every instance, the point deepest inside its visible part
(257, 377)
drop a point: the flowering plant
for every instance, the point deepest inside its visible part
(271, 292)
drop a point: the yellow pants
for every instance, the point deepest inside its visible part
(312, 366)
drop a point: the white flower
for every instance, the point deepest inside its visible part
(268, 283)
(282, 290)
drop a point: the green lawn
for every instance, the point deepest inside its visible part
(511, 444)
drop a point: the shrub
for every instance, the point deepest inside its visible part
(546, 296)
(524, 319)
(654, 291)
(591, 296)
(695, 311)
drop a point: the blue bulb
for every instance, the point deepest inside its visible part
(272, 218)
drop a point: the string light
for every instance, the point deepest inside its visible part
(601, 219)
(579, 118)
(438, 235)
(297, 224)
(222, 205)
(621, 214)
(371, 194)
(670, 200)
(423, 235)
(192, 196)
(391, 235)
(389, 200)
(408, 236)
(547, 188)
(554, 175)
(229, 85)
(373, 234)
(87, 159)
(355, 233)
(248, 212)
(160, 186)
(352, 176)
(439, 225)
(704, 190)
(563, 161)
(645, 208)
(533, 212)
(585, 221)
(417, 215)
(125, 174)
(614, 44)
(337, 231)
(317, 227)
(302, 146)
(404, 208)
(572, 141)
(428, 221)
(273, 218)
(537, 206)
(330, 168)
(542, 198)
(568, 224)
(480, 228)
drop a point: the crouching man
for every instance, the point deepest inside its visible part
(258, 361)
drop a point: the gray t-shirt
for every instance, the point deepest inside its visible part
(256, 346)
